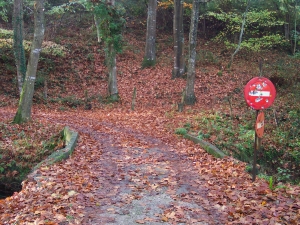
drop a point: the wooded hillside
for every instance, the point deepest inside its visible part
(119, 71)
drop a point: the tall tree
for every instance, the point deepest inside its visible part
(112, 65)
(110, 32)
(24, 110)
(18, 43)
(178, 69)
(112, 70)
(295, 33)
(189, 97)
(112, 49)
(288, 11)
(150, 50)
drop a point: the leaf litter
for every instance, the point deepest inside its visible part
(130, 168)
(120, 174)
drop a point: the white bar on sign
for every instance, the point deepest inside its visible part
(260, 125)
(260, 93)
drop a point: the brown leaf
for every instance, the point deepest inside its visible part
(60, 217)
(164, 219)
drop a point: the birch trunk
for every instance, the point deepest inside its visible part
(190, 97)
(24, 110)
(178, 69)
(18, 46)
(150, 50)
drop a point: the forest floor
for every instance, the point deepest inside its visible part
(129, 167)
(127, 170)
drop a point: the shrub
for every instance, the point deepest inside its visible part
(6, 34)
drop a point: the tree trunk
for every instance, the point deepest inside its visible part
(287, 31)
(190, 97)
(112, 78)
(112, 68)
(24, 110)
(150, 50)
(18, 46)
(241, 35)
(295, 28)
(178, 69)
(204, 17)
(97, 24)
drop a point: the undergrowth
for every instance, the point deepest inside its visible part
(279, 155)
(233, 133)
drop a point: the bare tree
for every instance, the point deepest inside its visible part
(178, 69)
(189, 97)
(24, 110)
(150, 50)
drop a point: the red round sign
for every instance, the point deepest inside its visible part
(259, 93)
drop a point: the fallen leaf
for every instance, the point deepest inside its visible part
(60, 217)
(164, 219)
(71, 193)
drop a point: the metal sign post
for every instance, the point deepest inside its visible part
(256, 148)
(259, 131)
(259, 94)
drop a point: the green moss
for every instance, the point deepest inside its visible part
(190, 100)
(209, 148)
(113, 98)
(148, 63)
(181, 131)
(18, 118)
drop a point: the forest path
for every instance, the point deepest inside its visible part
(116, 175)
(137, 179)
(129, 168)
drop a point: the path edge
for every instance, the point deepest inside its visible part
(209, 148)
(70, 138)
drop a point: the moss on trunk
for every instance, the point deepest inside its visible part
(190, 100)
(148, 63)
